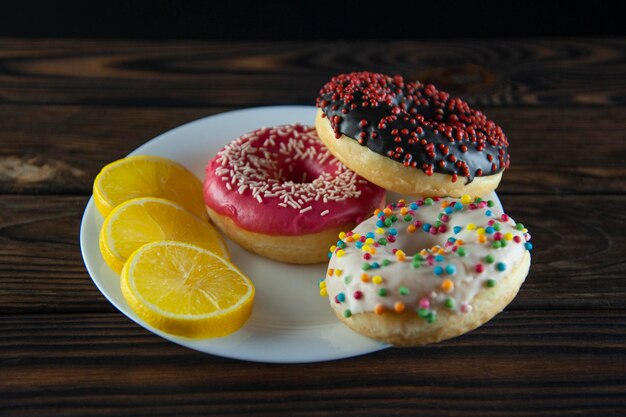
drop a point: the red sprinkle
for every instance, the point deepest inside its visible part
(448, 128)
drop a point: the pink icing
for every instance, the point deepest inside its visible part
(283, 181)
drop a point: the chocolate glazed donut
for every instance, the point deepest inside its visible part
(414, 126)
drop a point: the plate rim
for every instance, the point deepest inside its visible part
(90, 211)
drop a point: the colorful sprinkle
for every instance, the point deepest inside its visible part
(447, 285)
(424, 303)
(432, 317)
(495, 232)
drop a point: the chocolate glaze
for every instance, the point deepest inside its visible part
(414, 124)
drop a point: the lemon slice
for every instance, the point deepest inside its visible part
(147, 176)
(143, 220)
(185, 290)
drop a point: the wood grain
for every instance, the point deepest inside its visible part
(578, 260)
(554, 150)
(521, 363)
(486, 72)
(67, 107)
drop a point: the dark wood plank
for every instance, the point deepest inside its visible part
(578, 260)
(60, 149)
(521, 363)
(486, 72)
(41, 268)
(70, 106)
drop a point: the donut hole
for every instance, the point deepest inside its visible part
(424, 241)
(299, 172)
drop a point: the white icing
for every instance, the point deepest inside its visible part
(422, 283)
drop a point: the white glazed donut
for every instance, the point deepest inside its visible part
(424, 271)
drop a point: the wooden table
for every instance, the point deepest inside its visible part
(69, 107)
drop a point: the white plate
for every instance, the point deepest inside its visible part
(290, 323)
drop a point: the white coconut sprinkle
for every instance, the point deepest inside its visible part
(256, 170)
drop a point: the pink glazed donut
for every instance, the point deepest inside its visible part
(278, 192)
